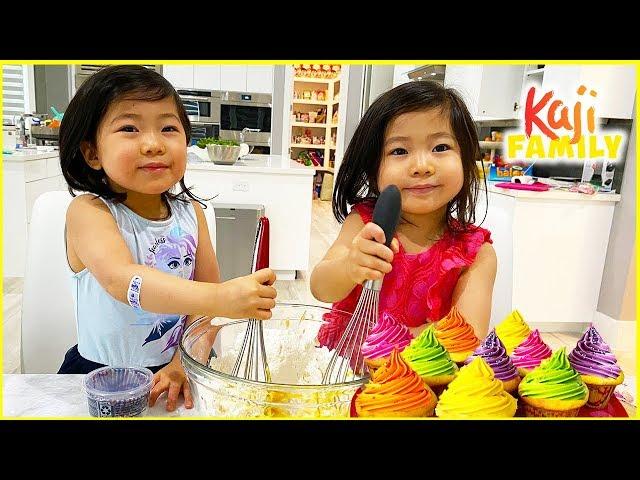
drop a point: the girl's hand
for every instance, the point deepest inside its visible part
(251, 296)
(173, 380)
(368, 257)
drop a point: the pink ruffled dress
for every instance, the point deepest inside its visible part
(419, 288)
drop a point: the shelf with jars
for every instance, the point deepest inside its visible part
(314, 115)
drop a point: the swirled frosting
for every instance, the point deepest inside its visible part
(554, 379)
(530, 352)
(427, 357)
(386, 335)
(494, 353)
(592, 356)
(455, 334)
(512, 331)
(476, 392)
(394, 387)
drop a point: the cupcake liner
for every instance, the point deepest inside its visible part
(599, 395)
(531, 411)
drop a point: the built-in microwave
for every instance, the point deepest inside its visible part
(250, 112)
(201, 105)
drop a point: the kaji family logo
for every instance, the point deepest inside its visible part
(555, 129)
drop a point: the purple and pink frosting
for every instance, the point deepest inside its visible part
(386, 335)
(495, 354)
(592, 356)
(531, 352)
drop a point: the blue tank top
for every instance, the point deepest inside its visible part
(114, 333)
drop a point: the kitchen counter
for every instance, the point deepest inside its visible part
(273, 164)
(28, 155)
(52, 395)
(553, 194)
(282, 186)
(551, 248)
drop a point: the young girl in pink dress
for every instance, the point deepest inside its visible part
(420, 137)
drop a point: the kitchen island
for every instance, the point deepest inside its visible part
(551, 248)
(283, 186)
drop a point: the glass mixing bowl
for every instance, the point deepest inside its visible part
(209, 350)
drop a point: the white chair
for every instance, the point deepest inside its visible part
(48, 318)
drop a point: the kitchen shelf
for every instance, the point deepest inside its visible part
(303, 124)
(311, 102)
(329, 107)
(309, 145)
(316, 80)
(491, 145)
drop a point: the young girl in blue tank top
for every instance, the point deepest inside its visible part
(140, 257)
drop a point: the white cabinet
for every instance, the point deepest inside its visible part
(247, 78)
(260, 78)
(180, 76)
(490, 91)
(233, 78)
(205, 77)
(615, 86)
(551, 249)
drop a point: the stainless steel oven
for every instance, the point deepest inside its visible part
(250, 112)
(202, 106)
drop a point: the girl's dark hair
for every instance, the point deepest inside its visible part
(358, 174)
(88, 107)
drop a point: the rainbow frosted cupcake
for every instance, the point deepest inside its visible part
(598, 367)
(386, 335)
(554, 389)
(456, 336)
(493, 352)
(429, 359)
(395, 390)
(476, 393)
(512, 331)
(530, 353)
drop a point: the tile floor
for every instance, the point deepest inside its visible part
(324, 230)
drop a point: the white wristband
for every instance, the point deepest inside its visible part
(133, 293)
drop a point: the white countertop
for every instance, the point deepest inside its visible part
(28, 155)
(280, 164)
(52, 395)
(553, 194)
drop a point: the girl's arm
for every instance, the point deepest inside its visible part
(358, 254)
(474, 290)
(94, 237)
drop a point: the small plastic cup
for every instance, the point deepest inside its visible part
(118, 391)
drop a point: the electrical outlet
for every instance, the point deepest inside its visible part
(240, 187)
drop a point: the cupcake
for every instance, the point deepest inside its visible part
(554, 389)
(428, 358)
(512, 331)
(395, 390)
(386, 335)
(456, 336)
(598, 367)
(476, 393)
(530, 353)
(494, 353)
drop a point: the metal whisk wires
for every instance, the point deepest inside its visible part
(347, 361)
(252, 360)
